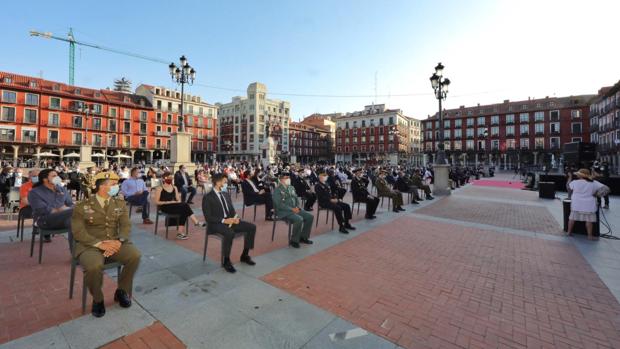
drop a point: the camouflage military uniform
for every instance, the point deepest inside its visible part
(94, 221)
(284, 200)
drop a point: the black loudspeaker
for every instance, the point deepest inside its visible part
(546, 190)
(576, 153)
(580, 227)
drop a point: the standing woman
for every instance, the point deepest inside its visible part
(583, 206)
(168, 200)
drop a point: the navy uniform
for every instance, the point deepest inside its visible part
(95, 220)
(341, 210)
(359, 190)
(284, 201)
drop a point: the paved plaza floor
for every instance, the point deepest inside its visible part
(486, 267)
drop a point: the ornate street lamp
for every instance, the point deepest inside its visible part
(183, 74)
(84, 109)
(440, 86)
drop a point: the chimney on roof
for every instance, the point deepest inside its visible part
(462, 107)
(506, 101)
(478, 104)
(546, 97)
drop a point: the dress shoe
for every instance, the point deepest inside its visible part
(229, 267)
(429, 198)
(122, 298)
(247, 260)
(401, 209)
(269, 218)
(294, 244)
(396, 210)
(343, 230)
(98, 309)
(349, 226)
(414, 202)
(306, 241)
(147, 221)
(371, 217)
(47, 238)
(309, 209)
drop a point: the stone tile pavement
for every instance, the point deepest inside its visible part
(202, 306)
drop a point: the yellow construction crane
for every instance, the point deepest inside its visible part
(72, 42)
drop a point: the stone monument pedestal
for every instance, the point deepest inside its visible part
(181, 152)
(268, 152)
(441, 184)
(86, 158)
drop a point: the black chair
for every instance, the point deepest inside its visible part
(167, 217)
(353, 202)
(76, 261)
(318, 214)
(245, 199)
(43, 232)
(389, 201)
(273, 230)
(218, 236)
(23, 214)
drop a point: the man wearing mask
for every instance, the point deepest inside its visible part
(24, 190)
(330, 201)
(359, 190)
(184, 184)
(51, 204)
(87, 182)
(136, 193)
(101, 230)
(303, 189)
(286, 204)
(221, 217)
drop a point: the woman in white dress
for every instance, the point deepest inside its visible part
(583, 204)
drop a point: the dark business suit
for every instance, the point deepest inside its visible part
(335, 185)
(213, 210)
(359, 190)
(180, 184)
(303, 191)
(251, 197)
(342, 210)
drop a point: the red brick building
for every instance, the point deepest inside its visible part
(530, 132)
(605, 125)
(39, 115)
(374, 135)
(309, 144)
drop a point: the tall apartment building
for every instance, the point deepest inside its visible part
(245, 122)
(529, 132)
(605, 125)
(374, 135)
(38, 115)
(416, 156)
(200, 120)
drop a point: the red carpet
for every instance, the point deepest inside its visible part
(516, 184)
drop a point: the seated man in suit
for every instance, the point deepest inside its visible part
(184, 184)
(286, 204)
(359, 190)
(253, 195)
(335, 184)
(330, 200)
(221, 217)
(303, 190)
(384, 189)
(404, 185)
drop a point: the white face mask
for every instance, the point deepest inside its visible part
(323, 179)
(57, 180)
(287, 182)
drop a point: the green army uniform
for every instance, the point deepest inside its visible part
(93, 222)
(284, 200)
(86, 184)
(417, 181)
(383, 189)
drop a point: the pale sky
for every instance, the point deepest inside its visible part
(492, 49)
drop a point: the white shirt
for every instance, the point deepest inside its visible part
(582, 198)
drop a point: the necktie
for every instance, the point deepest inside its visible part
(224, 204)
(106, 204)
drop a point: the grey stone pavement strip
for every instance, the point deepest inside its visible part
(206, 307)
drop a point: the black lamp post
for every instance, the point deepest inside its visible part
(85, 109)
(440, 86)
(184, 74)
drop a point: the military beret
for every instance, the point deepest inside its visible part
(106, 175)
(283, 174)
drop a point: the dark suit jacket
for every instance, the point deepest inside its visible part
(178, 179)
(359, 189)
(402, 184)
(301, 186)
(212, 207)
(250, 196)
(323, 194)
